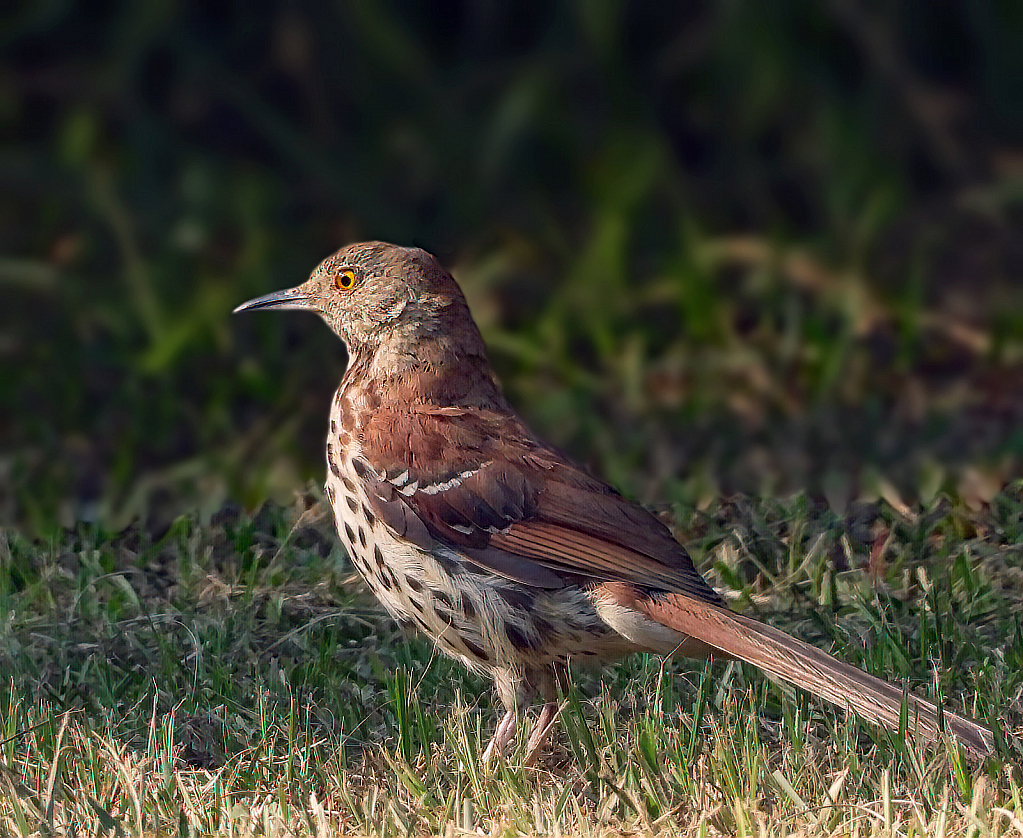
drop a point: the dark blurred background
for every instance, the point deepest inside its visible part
(715, 247)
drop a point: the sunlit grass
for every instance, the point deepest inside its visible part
(233, 680)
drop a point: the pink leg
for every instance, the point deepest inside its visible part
(541, 730)
(502, 736)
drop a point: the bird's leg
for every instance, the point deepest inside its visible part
(541, 730)
(502, 736)
(505, 732)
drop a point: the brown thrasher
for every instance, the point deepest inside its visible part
(510, 557)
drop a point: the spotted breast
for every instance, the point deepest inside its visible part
(517, 635)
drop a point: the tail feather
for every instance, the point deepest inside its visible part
(807, 667)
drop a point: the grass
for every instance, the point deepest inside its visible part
(232, 678)
(728, 251)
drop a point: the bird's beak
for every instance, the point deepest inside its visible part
(291, 298)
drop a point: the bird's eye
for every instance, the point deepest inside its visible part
(345, 280)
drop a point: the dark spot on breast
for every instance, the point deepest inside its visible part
(349, 485)
(330, 493)
(405, 624)
(475, 651)
(417, 605)
(353, 504)
(350, 534)
(333, 425)
(413, 583)
(362, 537)
(468, 609)
(361, 469)
(444, 599)
(369, 515)
(387, 581)
(543, 628)
(378, 557)
(518, 638)
(347, 415)
(516, 597)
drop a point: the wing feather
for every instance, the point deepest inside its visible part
(517, 508)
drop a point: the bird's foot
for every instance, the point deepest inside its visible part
(541, 730)
(502, 736)
(506, 732)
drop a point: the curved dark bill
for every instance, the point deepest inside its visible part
(290, 298)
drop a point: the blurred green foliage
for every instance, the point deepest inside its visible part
(725, 246)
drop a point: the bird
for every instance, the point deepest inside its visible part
(509, 556)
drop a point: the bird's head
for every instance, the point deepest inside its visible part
(372, 294)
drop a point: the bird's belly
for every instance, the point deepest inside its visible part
(480, 618)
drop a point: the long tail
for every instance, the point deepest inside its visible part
(811, 669)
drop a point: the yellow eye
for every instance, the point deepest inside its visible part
(345, 280)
